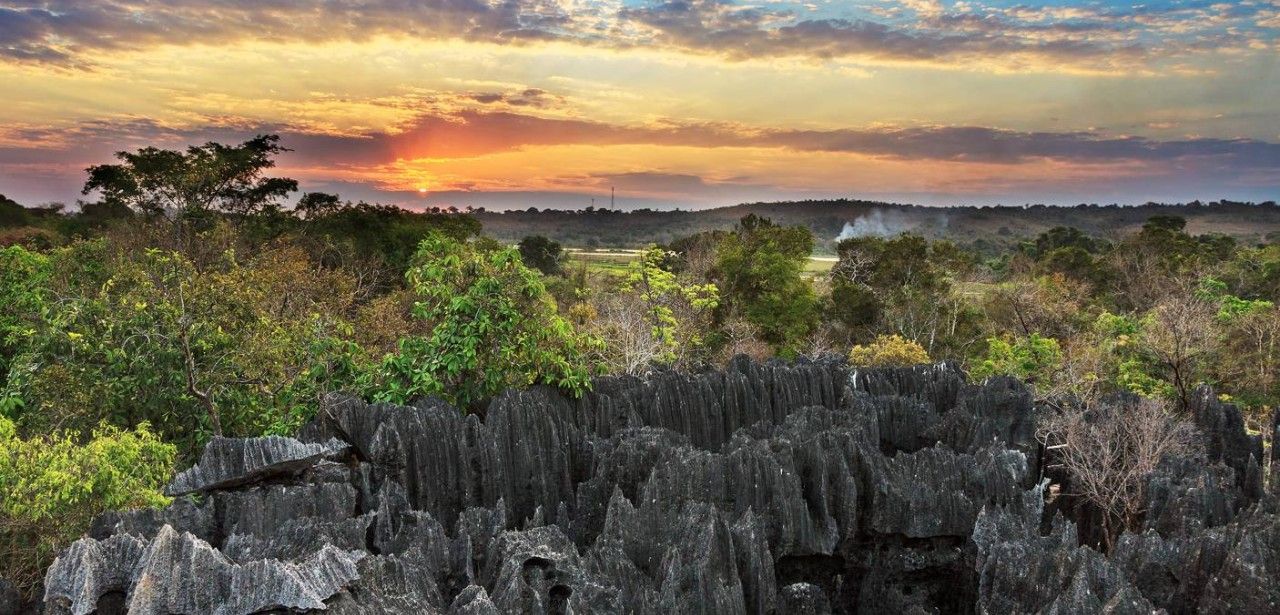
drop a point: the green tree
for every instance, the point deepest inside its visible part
(209, 177)
(242, 348)
(24, 279)
(651, 317)
(1032, 358)
(759, 267)
(491, 326)
(542, 254)
(52, 486)
(904, 285)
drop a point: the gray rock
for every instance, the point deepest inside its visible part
(804, 599)
(231, 462)
(762, 488)
(10, 599)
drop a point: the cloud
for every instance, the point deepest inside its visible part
(470, 133)
(476, 133)
(71, 32)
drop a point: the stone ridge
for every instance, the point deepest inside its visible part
(763, 488)
(231, 462)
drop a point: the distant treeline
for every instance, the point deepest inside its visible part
(988, 229)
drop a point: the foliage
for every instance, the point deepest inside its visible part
(759, 269)
(1032, 358)
(904, 285)
(652, 316)
(542, 254)
(492, 325)
(381, 237)
(52, 486)
(888, 351)
(24, 279)
(243, 348)
(209, 177)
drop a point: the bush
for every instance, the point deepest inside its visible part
(889, 351)
(52, 486)
(492, 325)
(1032, 358)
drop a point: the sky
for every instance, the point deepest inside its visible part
(683, 103)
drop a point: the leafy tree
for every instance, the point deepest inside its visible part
(244, 348)
(542, 254)
(759, 269)
(491, 325)
(12, 214)
(209, 177)
(888, 351)
(1247, 345)
(652, 316)
(24, 279)
(1032, 358)
(903, 285)
(1060, 237)
(1055, 306)
(373, 237)
(52, 486)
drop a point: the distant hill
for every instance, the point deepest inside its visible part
(990, 226)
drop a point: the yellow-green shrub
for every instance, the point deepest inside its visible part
(888, 351)
(52, 486)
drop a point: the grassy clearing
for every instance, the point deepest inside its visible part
(616, 261)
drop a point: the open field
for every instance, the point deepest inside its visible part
(616, 261)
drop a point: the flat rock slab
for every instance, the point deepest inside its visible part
(232, 462)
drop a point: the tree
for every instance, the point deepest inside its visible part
(888, 351)
(759, 269)
(24, 279)
(1178, 335)
(12, 214)
(542, 254)
(652, 317)
(243, 348)
(903, 285)
(1060, 237)
(1056, 306)
(1109, 449)
(209, 177)
(491, 325)
(1032, 358)
(52, 486)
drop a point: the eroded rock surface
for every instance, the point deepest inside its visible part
(763, 488)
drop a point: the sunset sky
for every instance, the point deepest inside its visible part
(695, 103)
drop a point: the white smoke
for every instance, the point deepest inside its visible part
(878, 223)
(874, 224)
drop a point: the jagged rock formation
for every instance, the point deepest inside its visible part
(809, 488)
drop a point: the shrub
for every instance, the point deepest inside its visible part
(492, 326)
(52, 486)
(1033, 358)
(888, 351)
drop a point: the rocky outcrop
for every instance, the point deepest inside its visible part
(763, 488)
(230, 462)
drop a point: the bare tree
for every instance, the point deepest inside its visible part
(1109, 450)
(624, 325)
(1179, 335)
